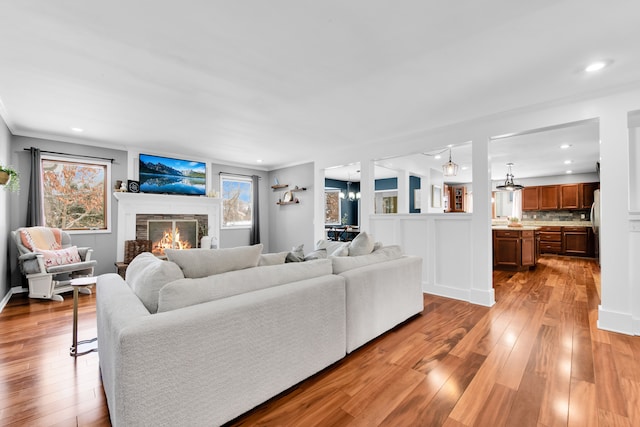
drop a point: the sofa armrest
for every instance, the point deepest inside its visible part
(381, 296)
(85, 253)
(208, 363)
(32, 263)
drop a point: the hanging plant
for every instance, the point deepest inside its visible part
(9, 178)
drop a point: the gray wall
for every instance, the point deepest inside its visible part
(5, 197)
(231, 238)
(292, 225)
(103, 244)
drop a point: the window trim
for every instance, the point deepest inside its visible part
(231, 177)
(107, 193)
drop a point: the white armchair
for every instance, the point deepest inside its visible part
(49, 261)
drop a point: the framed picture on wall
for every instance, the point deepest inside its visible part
(436, 196)
(416, 199)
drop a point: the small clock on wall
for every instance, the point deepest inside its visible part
(133, 186)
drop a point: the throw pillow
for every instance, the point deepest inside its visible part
(197, 263)
(362, 244)
(272, 259)
(296, 254)
(334, 248)
(388, 253)
(60, 257)
(317, 254)
(147, 274)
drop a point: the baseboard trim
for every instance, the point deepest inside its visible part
(485, 298)
(13, 291)
(615, 321)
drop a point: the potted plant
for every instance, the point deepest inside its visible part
(9, 178)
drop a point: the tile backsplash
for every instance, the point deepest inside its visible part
(557, 215)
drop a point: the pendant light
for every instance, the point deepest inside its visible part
(509, 185)
(450, 168)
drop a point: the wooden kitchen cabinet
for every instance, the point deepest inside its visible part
(457, 196)
(549, 197)
(514, 249)
(586, 194)
(569, 196)
(530, 199)
(551, 240)
(577, 241)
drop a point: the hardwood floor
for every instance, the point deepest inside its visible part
(534, 359)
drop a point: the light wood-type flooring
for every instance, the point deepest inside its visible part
(534, 359)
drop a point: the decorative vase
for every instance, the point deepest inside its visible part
(205, 242)
(4, 178)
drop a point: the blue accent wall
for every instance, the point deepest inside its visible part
(346, 206)
(414, 184)
(386, 184)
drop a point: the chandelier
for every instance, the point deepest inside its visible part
(450, 168)
(509, 185)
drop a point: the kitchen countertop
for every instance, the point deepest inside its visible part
(547, 223)
(524, 227)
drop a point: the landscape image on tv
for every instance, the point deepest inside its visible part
(172, 176)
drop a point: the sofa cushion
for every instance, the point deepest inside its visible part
(362, 244)
(272, 259)
(187, 292)
(197, 263)
(147, 274)
(296, 254)
(317, 254)
(342, 264)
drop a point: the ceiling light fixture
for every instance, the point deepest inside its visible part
(77, 129)
(567, 162)
(595, 66)
(450, 168)
(509, 185)
(569, 172)
(350, 195)
(565, 146)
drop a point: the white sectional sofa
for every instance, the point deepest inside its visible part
(222, 343)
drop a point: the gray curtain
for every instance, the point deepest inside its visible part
(254, 239)
(34, 204)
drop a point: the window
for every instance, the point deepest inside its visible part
(237, 201)
(74, 194)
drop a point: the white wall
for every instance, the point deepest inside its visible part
(620, 307)
(5, 198)
(292, 225)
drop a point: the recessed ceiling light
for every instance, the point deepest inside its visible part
(77, 129)
(567, 162)
(568, 172)
(437, 157)
(565, 146)
(259, 161)
(464, 168)
(595, 66)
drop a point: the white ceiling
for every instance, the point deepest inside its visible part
(284, 80)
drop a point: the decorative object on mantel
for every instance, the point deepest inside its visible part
(133, 186)
(9, 178)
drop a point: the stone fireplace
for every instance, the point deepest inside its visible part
(135, 210)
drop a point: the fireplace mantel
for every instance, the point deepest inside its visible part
(132, 204)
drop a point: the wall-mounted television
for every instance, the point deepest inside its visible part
(167, 175)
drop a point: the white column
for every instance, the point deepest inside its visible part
(616, 260)
(367, 194)
(482, 278)
(403, 192)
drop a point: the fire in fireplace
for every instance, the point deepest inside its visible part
(165, 234)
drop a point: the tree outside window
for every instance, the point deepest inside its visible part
(75, 194)
(237, 202)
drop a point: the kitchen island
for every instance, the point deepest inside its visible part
(515, 248)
